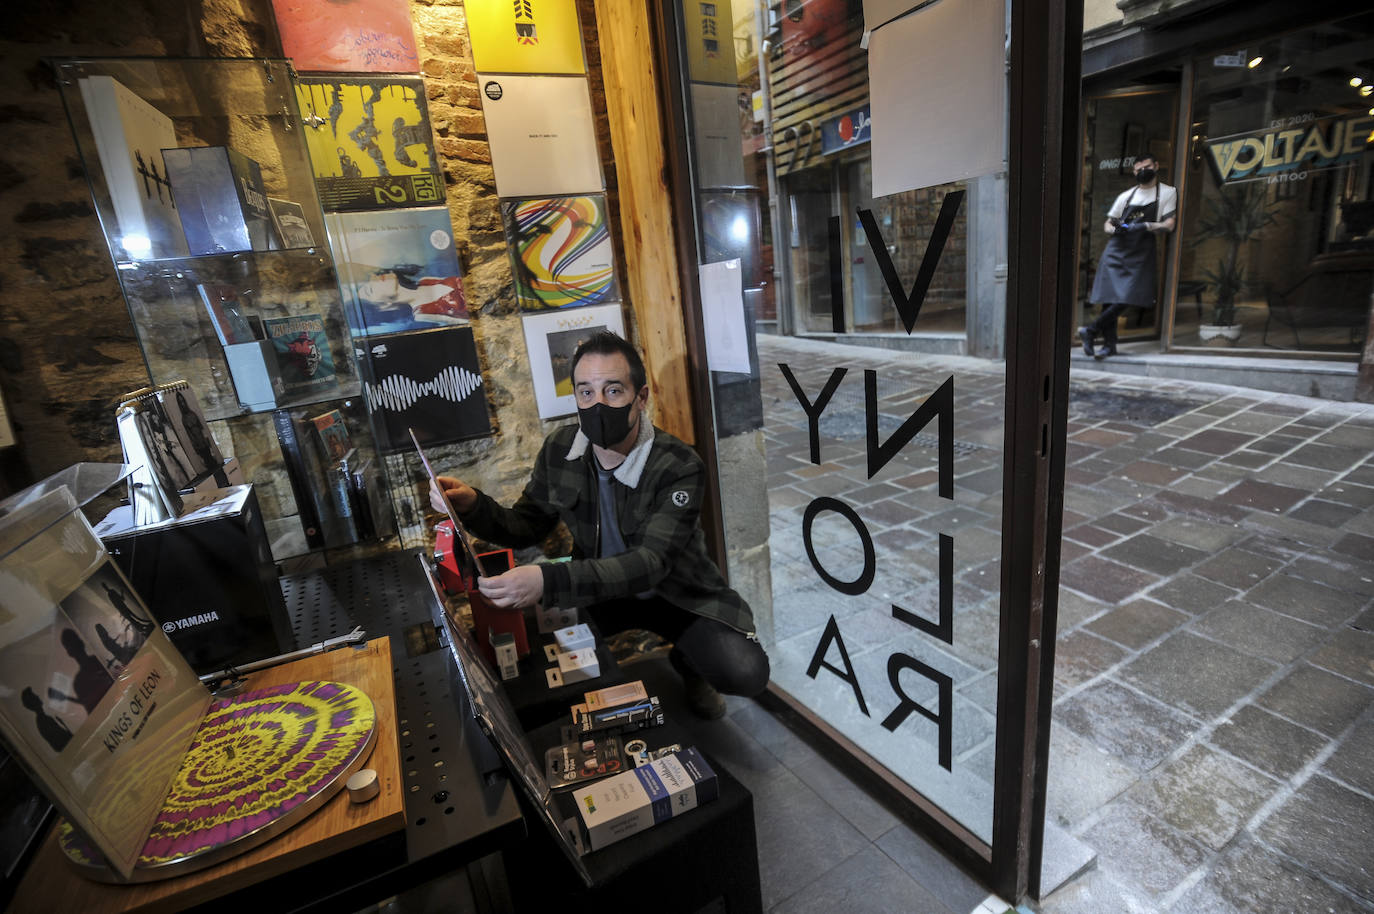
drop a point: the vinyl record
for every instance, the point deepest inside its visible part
(260, 762)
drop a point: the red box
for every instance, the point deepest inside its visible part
(486, 619)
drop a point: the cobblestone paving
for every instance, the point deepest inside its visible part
(1214, 703)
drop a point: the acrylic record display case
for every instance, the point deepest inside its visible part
(203, 186)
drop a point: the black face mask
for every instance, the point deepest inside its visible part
(1145, 175)
(605, 426)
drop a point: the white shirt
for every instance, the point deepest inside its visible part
(1166, 195)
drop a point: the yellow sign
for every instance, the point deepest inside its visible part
(708, 30)
(525, 36)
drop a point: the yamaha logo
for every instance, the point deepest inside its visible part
(680, 498)
(169, 627)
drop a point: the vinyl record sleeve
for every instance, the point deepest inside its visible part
(370, 142)
(542, 137)
(303, 354)
(96, 702)
(130, 135)
(368, 36)
(563, 256)
(398, 269)
(428, 380)
(550, 339)
(525, 36)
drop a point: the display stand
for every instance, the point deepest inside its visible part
(339, 825)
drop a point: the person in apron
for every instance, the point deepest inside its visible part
(1126, 274)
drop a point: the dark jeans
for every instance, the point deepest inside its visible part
(1105, 325)
(727, 659)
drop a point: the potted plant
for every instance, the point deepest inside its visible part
(1235, 215)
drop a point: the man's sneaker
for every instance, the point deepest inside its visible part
(702, 698)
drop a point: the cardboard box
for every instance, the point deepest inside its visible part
(628, 803)
(574, 638)
(578, 666)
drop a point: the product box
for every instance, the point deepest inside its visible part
(628, 803)
(577, 666)
(574, 638)
(220, 198)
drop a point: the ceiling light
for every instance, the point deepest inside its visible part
(1365, 90)
(1255, 62)
(1356, 82)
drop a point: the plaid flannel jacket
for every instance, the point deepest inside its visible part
(658, 513)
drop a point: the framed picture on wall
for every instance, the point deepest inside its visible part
(551, 338)
(562, 251)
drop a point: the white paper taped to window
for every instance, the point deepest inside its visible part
(937, 81)
(722, 311)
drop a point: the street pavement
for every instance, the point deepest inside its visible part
(1212, 731)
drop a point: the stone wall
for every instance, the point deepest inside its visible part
(67, 345)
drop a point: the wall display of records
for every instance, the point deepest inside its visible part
(562, 252)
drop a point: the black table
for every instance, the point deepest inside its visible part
(460, 806)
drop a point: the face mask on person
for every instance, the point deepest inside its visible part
(1145, 175)
(605, 426)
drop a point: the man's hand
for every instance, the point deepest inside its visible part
(459, 494)
(521, 586)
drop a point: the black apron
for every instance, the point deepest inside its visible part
(1126, 273)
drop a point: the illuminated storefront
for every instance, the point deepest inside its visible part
(1270, 142)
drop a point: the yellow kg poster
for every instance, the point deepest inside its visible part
(370, 142)
(525, 36)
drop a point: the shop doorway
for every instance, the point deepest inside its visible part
(1119, 126)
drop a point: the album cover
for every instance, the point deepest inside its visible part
(303, 354)
(130, 135)
(525, 36)
(292, 229)
(551, 338)
(369, 36)
(562, 251)
(398, 269)
(542, 137)
(94, 700)
(221, 199)
(370, 142)
(429, 380)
